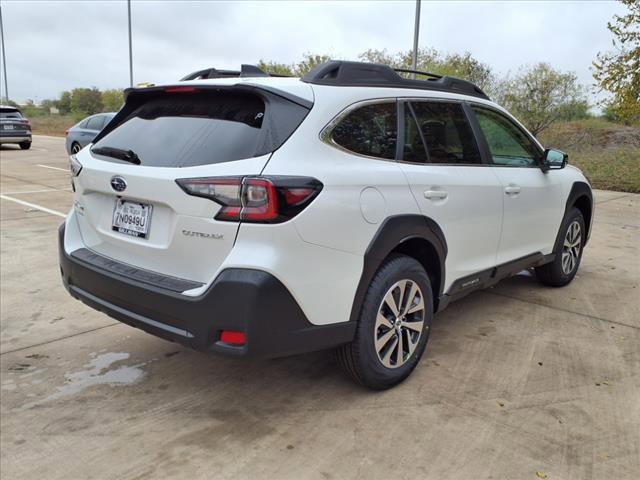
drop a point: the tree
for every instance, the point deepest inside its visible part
(618, 72)
(540, 95)
(276, 68)
(112, 100)
(86, 100)
(308, 62)
(64, 103)
(430, 60)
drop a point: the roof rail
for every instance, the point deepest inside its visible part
(417, 72)
(245, 71)
(342, 73)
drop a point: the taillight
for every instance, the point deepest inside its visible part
(255, 199)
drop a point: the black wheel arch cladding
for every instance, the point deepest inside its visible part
(581, 198)
(398, 234)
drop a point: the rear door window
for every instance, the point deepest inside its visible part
(370, 130)
(446, 132)
(202, 128)
(95, 123)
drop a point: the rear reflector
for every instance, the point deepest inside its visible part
(272, 199)
(233, 338)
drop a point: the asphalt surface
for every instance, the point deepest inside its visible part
(518, 382)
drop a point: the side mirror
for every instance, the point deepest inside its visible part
(554, 160)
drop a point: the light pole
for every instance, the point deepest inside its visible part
(130, 48)
(4, 59)
(416, 32)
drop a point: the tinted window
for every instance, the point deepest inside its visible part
(414, 148)
(95, 123)
(370, 130)
(9, 113)
(507, 143)
(446, 132)
(182, 130)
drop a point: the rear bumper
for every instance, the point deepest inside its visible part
(251, 301)
(15, 138)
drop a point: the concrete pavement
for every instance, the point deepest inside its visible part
(517, 379)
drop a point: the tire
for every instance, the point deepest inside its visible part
(379, 368)
(25, 145)
(75, 147)
(563, 269)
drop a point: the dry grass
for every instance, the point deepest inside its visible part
(607, 153)
(55, 125)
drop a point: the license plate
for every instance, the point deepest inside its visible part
(132, 218)
(8, 127)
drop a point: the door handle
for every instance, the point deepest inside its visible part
(512, 189)
(435, 194)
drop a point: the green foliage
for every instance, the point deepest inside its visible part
(574, 110)
(64, 103)
(430, 60)
(618, 71)
(86, 100)
(539, 95)
(308, 62)
(276, 68)
(296, 69)
(112, 100)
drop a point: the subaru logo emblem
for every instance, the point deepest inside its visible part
(118, 183)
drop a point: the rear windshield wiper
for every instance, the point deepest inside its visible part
(126, 155)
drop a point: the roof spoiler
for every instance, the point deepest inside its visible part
(246, 71)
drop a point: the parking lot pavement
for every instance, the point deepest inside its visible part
(517, 379)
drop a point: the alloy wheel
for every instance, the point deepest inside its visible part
(571, 247)
(399, 323)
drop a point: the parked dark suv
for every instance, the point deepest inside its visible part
(14, 128)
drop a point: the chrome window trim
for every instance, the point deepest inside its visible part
(326, 136)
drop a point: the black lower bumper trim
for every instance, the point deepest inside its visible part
(251, 301)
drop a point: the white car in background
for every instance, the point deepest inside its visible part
(243, 214)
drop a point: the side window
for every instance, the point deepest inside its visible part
(369, 130)
(95, 123)
(414, 149)
(447, 133)
(507, 143)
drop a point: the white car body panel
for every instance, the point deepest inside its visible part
(318, 255)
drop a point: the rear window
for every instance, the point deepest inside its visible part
(10, 113)
(201, 128)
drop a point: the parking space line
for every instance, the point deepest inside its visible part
(33, 205)
(53, 168)
(39, 191)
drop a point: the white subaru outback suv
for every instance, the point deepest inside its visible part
(243, 214)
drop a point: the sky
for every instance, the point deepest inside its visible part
(54, 46)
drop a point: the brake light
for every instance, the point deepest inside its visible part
(255, 199)
(179, 89)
